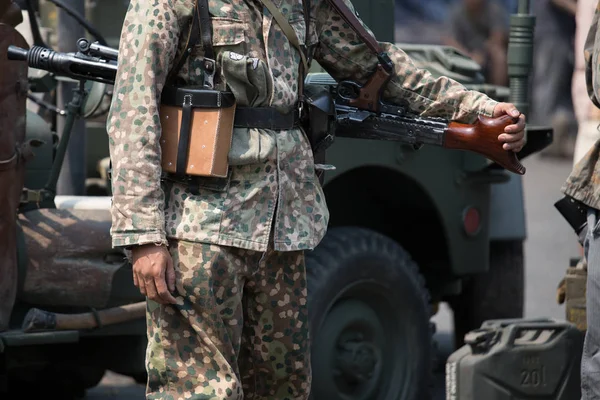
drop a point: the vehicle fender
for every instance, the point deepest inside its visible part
(507, 210)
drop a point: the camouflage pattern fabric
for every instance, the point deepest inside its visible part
(272, 184)
(239, 329)
(583, 183)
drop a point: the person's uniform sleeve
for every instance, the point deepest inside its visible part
(149, 40)
(344, 56)
(591, 52)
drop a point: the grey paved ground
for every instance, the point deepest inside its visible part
(547, 251)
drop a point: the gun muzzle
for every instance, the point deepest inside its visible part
(66, 64)
(41, 58)
(16, 53)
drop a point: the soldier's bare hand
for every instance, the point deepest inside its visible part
(153, 273)
(514, 134)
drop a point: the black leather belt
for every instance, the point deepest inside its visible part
(245, 117)
(265, 118)
(196, 96)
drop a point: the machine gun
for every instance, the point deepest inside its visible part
(395, 123)
(358, 110)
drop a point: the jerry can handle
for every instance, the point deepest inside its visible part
(514, 330)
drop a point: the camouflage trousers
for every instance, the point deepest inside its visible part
(238, 331)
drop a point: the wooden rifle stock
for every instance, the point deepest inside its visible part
(482, 138)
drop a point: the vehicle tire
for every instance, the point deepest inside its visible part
(369, 316)
(496, 294)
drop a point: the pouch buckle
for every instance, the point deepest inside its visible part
(32, 196)
(209, 72)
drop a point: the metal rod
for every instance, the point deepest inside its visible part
(524, 6)
(520, 55)
(73, 109)
(72, 177)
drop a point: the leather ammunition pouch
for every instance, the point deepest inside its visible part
(197, 121)
(197, 128)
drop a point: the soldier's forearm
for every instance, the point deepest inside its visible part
(146, 53)
(431, 96)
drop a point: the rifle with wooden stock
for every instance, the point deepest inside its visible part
(361, 113)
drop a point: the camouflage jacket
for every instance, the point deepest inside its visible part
(272, 188)
(584, 182)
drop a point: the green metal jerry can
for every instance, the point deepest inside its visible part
(517, 359)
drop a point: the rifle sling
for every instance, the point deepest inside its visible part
(191, 41)
(201, 27)
(205, 28)
(306, 4)
(352, 20)
(287, 29)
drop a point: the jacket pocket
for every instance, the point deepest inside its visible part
(228, 32)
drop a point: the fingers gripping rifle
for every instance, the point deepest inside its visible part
(362, 114)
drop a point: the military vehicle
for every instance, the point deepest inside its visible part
(410, 228)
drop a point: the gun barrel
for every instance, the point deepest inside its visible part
(66, 64)
(99, 50)
(95, 49)
(16, 53)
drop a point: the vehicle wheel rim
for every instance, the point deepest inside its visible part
(360, 352)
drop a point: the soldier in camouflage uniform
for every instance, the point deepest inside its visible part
(584, 185)
(223, 267)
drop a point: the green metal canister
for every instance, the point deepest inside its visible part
(517, 359)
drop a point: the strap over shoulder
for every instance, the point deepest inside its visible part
(287, 29)
(369, 40)
(201, 29)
